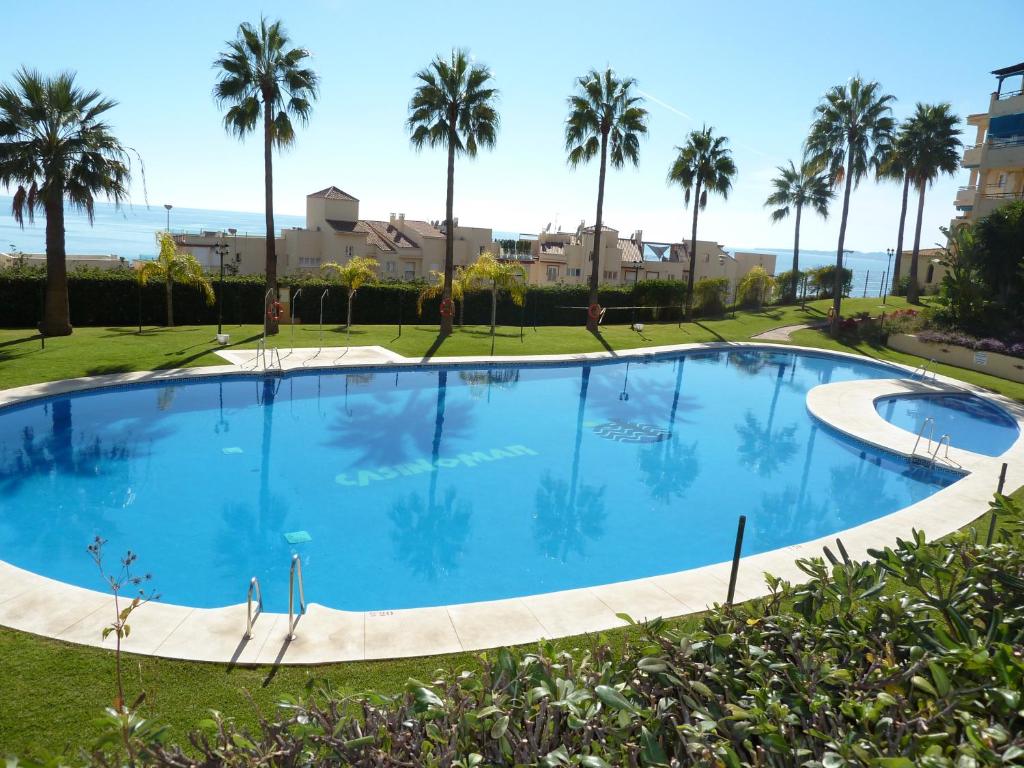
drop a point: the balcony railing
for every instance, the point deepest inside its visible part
(1008, 94)
(991, 191)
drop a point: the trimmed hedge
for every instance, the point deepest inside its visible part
(111, 298)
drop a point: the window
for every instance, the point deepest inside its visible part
(574, 272)
(651, 276)
(410, 272)
(552, 274)
(1002, 180)
(389, 267)
(611, 274)
(309, 261)
(350, 251)
(707, 257)
(931, 273)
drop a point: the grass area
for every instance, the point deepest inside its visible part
(50, 690)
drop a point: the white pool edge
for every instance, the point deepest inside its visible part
(42, 606)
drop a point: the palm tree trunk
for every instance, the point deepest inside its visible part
(56, 313)
(912, 289)
(595, 257)
(169, 297)
(796, 253)
(837, 284)
(895, 277)
(693, 254)
(449, 236)
(494, 307)
(268, 184)
(348, 314)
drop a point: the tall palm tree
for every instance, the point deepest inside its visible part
(262, 76)
(453, 107)
(353, 274)
(795, 188)
(498, 277)
(851, 130)
(54, 146)
(703, 164)
(932, 135)
(433, 290)
(605, 118)
(172, 267)
(894, 167)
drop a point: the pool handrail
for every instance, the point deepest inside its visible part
(923, 370)
(292, 619)
(938, 446)
(250, 617)
(920, 433)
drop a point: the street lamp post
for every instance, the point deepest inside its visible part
(168, 206)
(222, 248)
(887, 279)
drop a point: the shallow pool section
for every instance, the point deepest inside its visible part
(437, 485)
(972, 423)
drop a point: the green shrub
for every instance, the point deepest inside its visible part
(710, 295)
(755, 288)
(822, 281)
(784, 292)
(913, 658)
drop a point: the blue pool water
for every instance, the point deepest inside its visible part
(434, 486)
(972, 423)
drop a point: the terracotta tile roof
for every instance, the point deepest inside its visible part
(603, 229)
(630, 252)
(423, 228)
(333, 193)
(389, 234)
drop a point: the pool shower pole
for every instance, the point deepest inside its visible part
(292, 302)
(736, 559)
(992, 522)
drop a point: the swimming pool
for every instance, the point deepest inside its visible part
(972, 423)
(425, 486)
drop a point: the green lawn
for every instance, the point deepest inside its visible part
(50, 691)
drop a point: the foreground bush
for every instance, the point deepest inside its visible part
(912, 659)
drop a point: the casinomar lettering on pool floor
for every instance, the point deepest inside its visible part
(467, 460)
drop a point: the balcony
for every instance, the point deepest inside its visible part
(972, 156)
(965, 197)
(1006, 103)
(1003, 153)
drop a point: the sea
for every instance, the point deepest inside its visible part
(130, 231)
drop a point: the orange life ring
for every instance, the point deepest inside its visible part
(275, 311)
(831, 312)
(594, 311)
(447, 308)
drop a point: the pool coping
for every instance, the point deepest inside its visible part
(37, 604)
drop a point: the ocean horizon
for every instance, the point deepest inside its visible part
(130, 231)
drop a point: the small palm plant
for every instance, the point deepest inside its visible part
(453, 107)
(435, 289)
(606, 119)
(704, 164)
(498, 277)
(932, 136)
(795, 188)
(263, 77)
(850, 135)
(353, 274)
(172, 266)
(55, 146)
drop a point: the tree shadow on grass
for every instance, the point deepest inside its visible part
(713, 332)
(208, 349)
(22, 340)
(604, 343)
(103, 370)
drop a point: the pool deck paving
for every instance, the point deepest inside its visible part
(39, 605)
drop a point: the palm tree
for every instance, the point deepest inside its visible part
(606, 119)
(932, 136)
(172, 267)
(894, 167)
(453, 107)
(56, 146)
(849, 135)
(795, 188)
(704, 164)
(499, 277)
(353, 274)
(262, 76)
(435, 289)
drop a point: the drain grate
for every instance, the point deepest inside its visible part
(630, 432)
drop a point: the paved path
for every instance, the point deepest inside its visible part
(783, 333)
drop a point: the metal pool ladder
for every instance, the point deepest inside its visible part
(267, 354)
(945, 439)
(922, 371)
(292, 618)
(920, 433)
(250, 617)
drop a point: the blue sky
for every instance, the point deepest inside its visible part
(752, 70)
